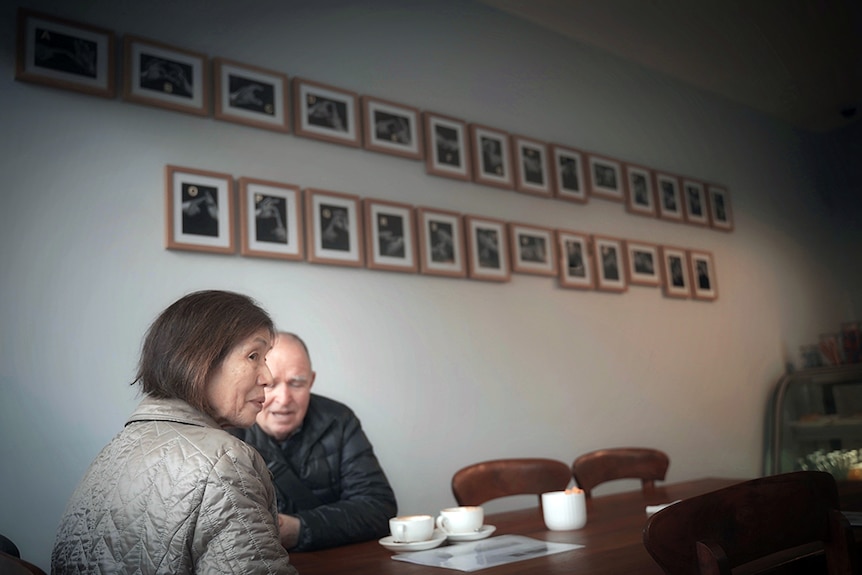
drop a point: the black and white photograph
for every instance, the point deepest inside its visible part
(533, 249)
(487, 249)
(492, 164)
(640, 198)
(669, 197)
(609, 258)
(249, 95)
(165, 76)
(391, 128)
(390, 237)
(720, 211)
(576, 270)
(199, 210)
(65, 54)
(703, 282)
(674, 271)
(333, 228)
(694, 203)
(568, 172)
(446, 146)
(606, 179)
(270, 219)
(531, 166)
(441, 242)
(325, 112)
(642, 263)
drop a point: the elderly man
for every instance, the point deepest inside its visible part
(329, 484)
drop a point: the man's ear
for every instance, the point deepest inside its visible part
(311, 379)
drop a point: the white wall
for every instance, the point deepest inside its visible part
(442, 372)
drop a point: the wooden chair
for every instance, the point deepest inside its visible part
(481, 482)
(11, 565)
(595, 467)
(763, 524)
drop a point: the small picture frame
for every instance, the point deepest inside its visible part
(576, 269)
(165, 76)
(642, 264)
(674, 272)
(487, 249)
(446, 152)
(492, 161)
(391, 128)
(720, 210)
(270, 217)
(606, 180)
(569, 176)
(610, 264)
(324, 112)
(333, 228)
(441, 243)
(390, 236)
(65, 54)
(250, 95)
(694, 202)
(533, 249)
(640, 195)
(702, 270)
(199, 212)
(531, 167)
(668, 197)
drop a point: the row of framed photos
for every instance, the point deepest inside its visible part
(282, 221)
(80, 57)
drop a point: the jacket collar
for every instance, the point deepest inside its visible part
(177, 410)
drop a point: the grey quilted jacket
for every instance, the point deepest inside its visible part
(172, 493)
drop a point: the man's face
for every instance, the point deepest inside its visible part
(287, 398)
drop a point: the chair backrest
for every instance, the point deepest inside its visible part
(767, 522)
(481, 482)
(595, 467)
(11, 565)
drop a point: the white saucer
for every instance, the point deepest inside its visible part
(481, 533)
(435, 541)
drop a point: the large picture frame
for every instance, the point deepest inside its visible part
(569, 176)
(441, 242)
(492, 157)
(165, 76)
(390, 236)
(270, 217)
(446, 147)
(674, 272)
(720, 210)
(610, 262)
(391, 128)
(640, 195)
(605, 177)
(199, 212)
(325, 112)
(64, 54)
(669, 197)
(643, 266)
(487, 249)
(249, 95)
(576, 268)
(531, 166)
(694, 202)
(333, 228)
(533, 249)
(702, 273)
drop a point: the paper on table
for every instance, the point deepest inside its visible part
(650, 509)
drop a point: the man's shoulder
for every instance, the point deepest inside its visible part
(328, 407)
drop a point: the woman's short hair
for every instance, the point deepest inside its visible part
(191, 338)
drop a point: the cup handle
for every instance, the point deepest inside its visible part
(441, 523)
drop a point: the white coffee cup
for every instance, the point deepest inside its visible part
(564, 510)
(411, 528)
(456, 520)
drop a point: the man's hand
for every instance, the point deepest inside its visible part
(288, 530)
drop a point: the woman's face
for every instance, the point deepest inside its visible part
(235, 389)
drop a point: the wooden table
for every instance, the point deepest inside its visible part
(612, 538)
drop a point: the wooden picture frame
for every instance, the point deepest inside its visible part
(390, 236)
(640, 193)
(605, 178)
(199, 210)
(669, 197)
(446, 147)
(252, 96)
(487, 249)
(720, 210)
(576, 267)
(694, 202)
(441, 242)
(333, 228)
(391, 128)
(532, 175)
(569, 176)
(610, 264)
(643, 266)
(674, 272)
(165, 76)
(533, 249)
(270, 217)
(702, 273)
(325, 112)
(65, 54)
(492, 157)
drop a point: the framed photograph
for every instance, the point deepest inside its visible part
(640, 195)
(487, 252)
(576, 269)
(610, 264)
(64, 54)
(492, 161)
(606, 180)
(441, 243)
(642, 263)
(250, 95)
(720, 211)
(533, 249)
(668, 197)
(694, 203)
(446, 152)
(270, 220)
(703, 282)
(531, 167)
(390, 237)
(199, 212)
(568, 170)
(674, 272)
(391, 128)
(333, 228)
(325, 113)
(165, 76)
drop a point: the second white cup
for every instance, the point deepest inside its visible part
(563, 511)
(457, 520)
(411, 528)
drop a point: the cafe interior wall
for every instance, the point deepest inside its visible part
(442, 372)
